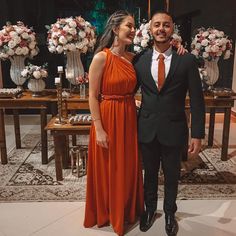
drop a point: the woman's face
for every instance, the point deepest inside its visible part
(126, 30)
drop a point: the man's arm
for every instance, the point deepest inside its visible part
(197, 107)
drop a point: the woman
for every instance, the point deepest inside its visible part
(114, 179)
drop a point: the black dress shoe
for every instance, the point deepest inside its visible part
(147, 219)
(172, 226)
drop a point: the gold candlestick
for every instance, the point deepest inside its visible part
(58, 82)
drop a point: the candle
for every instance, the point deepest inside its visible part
(57, 80)
(60, 69)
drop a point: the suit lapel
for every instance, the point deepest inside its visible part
(147, 69)
(173, 66)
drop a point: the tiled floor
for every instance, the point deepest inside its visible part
(196, 217)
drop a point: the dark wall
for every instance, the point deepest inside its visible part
(210, 13)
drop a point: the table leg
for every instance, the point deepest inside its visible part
(17, 128)
(58, 146)
(211, 127)
(3, 138)
(44, 138)
(225, 136)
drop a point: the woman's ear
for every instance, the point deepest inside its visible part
(116, 30)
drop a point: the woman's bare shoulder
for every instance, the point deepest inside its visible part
(100, 57)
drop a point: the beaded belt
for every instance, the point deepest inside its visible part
(116, 97)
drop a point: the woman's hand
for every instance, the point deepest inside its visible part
(102, 138)
(180, 48)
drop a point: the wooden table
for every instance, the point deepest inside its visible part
(213, 103)
(60, 133)
(28, 102)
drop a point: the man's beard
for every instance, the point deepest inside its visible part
(165, 41)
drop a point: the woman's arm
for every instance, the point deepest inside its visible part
(95, 76)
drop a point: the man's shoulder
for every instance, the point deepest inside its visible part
(187, 56)
(141, 55)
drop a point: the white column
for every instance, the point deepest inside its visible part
(234, 79)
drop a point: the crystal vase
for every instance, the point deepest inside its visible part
(17, 65)
(82, 91)
(212, 70)
(36, 86)
(74, 66)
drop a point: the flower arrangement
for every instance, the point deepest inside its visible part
(143, 38)
(210, 44)
(17, 40)
(35, 72)
(82, 79)
(70, 34)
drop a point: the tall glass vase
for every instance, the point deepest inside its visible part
(74, 66)
(82, 91)
(17, 65)
(212, 70)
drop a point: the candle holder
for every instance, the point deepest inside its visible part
(61, 120)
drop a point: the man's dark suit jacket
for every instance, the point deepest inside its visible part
(162, 114)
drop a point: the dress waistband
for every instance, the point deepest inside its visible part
(116, 97)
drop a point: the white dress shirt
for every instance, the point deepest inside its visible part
(154, 67)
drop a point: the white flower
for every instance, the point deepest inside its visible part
(195, 52)
(215, 48)
(205, 34)
(212, 36)
(72, 24)
(82, 34)
(34, 52)
(59, 49)
(32, 45)
(11, 44)
(37, 74)
(137, 49)
(25, 35)
(44, 73)
(62, 40)
(204, 42)
(205, 55)
(144, 43)
(10, 52)
(198, 46)
(24, 72)
(25, 51)
(18, 51)
(13, 34)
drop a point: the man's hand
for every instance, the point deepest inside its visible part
(194, 147)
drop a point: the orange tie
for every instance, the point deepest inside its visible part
(161, 72)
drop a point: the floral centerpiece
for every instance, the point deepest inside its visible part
(82, 81)
(16, 43)
(17, 40)
(143, 38)
(210, 44)
(35, 75)
(71, 36)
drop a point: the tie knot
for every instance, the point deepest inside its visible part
(161, 56)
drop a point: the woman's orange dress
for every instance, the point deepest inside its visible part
(114, 177)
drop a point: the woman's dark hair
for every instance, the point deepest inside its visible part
(108, 36)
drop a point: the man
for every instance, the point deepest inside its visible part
(165, 78)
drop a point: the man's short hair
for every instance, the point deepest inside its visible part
(162, 12)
